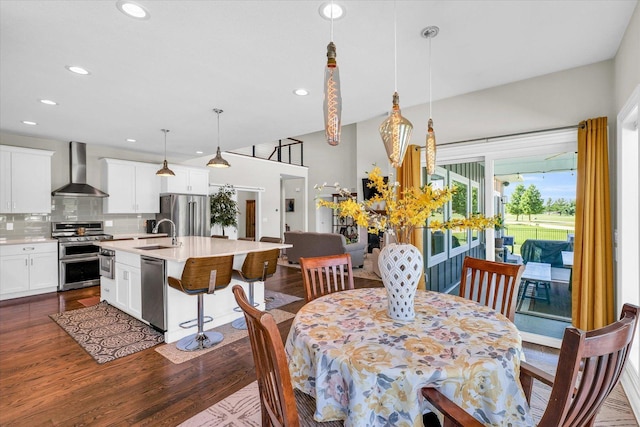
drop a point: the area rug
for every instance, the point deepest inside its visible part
(107, 333)
(229, 333)
(242, 409)
(277, 299)
(366, 272)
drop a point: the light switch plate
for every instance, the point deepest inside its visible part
(108, 223)
(9, 226)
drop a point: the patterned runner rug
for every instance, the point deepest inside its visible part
(107, 333)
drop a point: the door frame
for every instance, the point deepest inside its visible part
(491, 149)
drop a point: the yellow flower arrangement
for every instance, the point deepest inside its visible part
(403, 214)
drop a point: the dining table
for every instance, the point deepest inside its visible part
(368, 369)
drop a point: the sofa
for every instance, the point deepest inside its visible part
(313, 244)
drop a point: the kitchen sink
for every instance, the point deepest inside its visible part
(155, 247)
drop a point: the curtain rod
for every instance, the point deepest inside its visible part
(510, 135)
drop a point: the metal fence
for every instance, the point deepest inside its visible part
(522, 233)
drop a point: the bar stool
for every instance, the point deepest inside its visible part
(202, 276)
(257, 266)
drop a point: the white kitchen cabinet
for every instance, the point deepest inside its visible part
(108, 290)
(188, 180)
(28, 269)
(128, 286)
(25, 180)
(133, 187)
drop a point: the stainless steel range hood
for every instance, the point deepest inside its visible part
(78, 186)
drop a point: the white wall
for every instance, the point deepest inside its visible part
(627, 61)
(554, 100)
(250, 172)
(294, 189)
(626, 86)
(329, 164)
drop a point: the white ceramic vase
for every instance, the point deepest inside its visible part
(401, 267)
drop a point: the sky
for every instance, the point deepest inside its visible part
(554, 185)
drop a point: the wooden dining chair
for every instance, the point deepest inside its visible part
(279, 403)
(589, 367)
(326, 274)
(494, 284)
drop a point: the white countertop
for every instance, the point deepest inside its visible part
(189, 247)
(124, 236)
(27, 240)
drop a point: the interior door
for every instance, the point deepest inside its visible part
(250, 221)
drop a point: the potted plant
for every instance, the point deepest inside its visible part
(224, 208)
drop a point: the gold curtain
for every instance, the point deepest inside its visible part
(592, 285)
(409, 174)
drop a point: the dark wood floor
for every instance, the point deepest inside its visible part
(46, 378)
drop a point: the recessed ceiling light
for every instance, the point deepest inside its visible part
(132, 9)
(199, 152)
(131, 140)
(48, 102)
(326, 8)
(77, 70)
(28, 122)
(301, 92)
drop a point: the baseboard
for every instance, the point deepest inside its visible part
(540, 339)
(630, 381)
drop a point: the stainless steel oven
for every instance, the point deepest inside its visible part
(78, 256)
(107, 258)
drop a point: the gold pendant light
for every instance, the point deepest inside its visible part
(395, 131)
(165, 171)
(430, 145)
(332, 105)
(218, 161)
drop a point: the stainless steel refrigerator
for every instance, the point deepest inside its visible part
(191, 214)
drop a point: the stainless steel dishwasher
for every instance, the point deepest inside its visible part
(153, 273)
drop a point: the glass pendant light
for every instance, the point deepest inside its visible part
(430, 146)
(395, 131)
(332, 105)
(218, 161)
(165, 171)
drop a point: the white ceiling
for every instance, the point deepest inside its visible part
(246, 57)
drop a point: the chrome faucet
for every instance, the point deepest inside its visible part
(174, 241)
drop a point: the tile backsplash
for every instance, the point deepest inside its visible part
(15, 226)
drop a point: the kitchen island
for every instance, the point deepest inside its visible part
(124, 291)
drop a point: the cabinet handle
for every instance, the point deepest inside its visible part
(125, 275)
(28, 248)
(32, 262)
(26, 262)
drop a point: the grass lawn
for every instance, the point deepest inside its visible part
(541, 227)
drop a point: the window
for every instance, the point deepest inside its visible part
(437, 240)
(459, 208)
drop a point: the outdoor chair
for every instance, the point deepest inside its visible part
(589, 367)
(326, 274)
(494, 284)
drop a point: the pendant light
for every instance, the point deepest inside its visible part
(332, 105)
(430, 146)
(165, 171)
(218, 161)
(395, 131)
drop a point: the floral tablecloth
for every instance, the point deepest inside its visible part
(368, 369)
